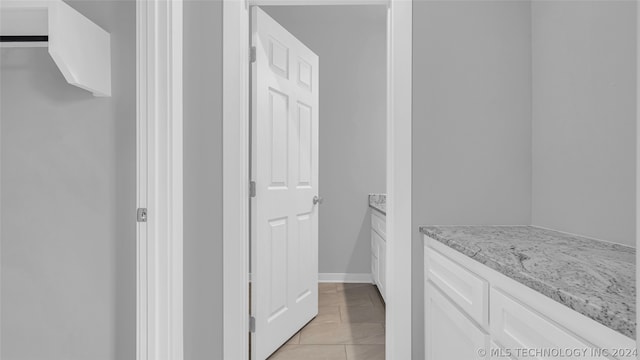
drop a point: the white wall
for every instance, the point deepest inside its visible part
(68, 203)
(471, 121)
(584, 118)
(351, 44)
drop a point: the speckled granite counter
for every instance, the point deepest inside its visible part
(595, 278)
(378, 202)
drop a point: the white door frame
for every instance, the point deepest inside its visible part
(637, 168)
(159, 179)
(236, 173)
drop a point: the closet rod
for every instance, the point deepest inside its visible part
(24, 38)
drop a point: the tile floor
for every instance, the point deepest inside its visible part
(349, 326)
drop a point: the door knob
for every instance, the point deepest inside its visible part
(317, 200)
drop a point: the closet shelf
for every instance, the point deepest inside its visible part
(80, 48)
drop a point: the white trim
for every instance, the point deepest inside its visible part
(159, 180)
(398, 221)
(235, 179)
(345, 278)
(637, 165)
(236, 165)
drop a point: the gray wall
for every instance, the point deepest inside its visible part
(351, 44)
(68, 203)
(203, 179)
(584, 118)
(471, 121)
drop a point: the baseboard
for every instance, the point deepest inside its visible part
(344, 278)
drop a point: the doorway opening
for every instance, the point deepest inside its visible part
(318, 141)
(236, 174)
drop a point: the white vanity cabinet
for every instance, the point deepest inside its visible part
(474, 312)
(378, 250)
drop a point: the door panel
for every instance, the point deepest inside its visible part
(277, 243)
(304, 256)
(278, 118)
(305, 162)
(284, 219)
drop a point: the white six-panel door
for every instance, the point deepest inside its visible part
(284, 166)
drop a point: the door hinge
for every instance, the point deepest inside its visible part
(252, 189)
(142, 215)
(252, 54)
(252, 324)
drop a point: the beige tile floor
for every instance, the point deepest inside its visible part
(349, 326)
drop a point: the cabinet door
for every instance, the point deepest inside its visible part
(382, 269)
(374, 269)
(375, 256)
(449, 333)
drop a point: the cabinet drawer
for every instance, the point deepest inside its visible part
(516, 326)
(378, 224)
(467, 290)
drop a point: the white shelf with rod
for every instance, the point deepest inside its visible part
(80, 48)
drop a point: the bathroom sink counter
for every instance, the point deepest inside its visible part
(594, 278)
(378, 202)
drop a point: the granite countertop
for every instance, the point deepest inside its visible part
(595, 278)
(378, 202)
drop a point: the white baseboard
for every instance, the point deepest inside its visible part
(344, 278)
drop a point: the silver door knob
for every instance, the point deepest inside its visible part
(317, 200)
